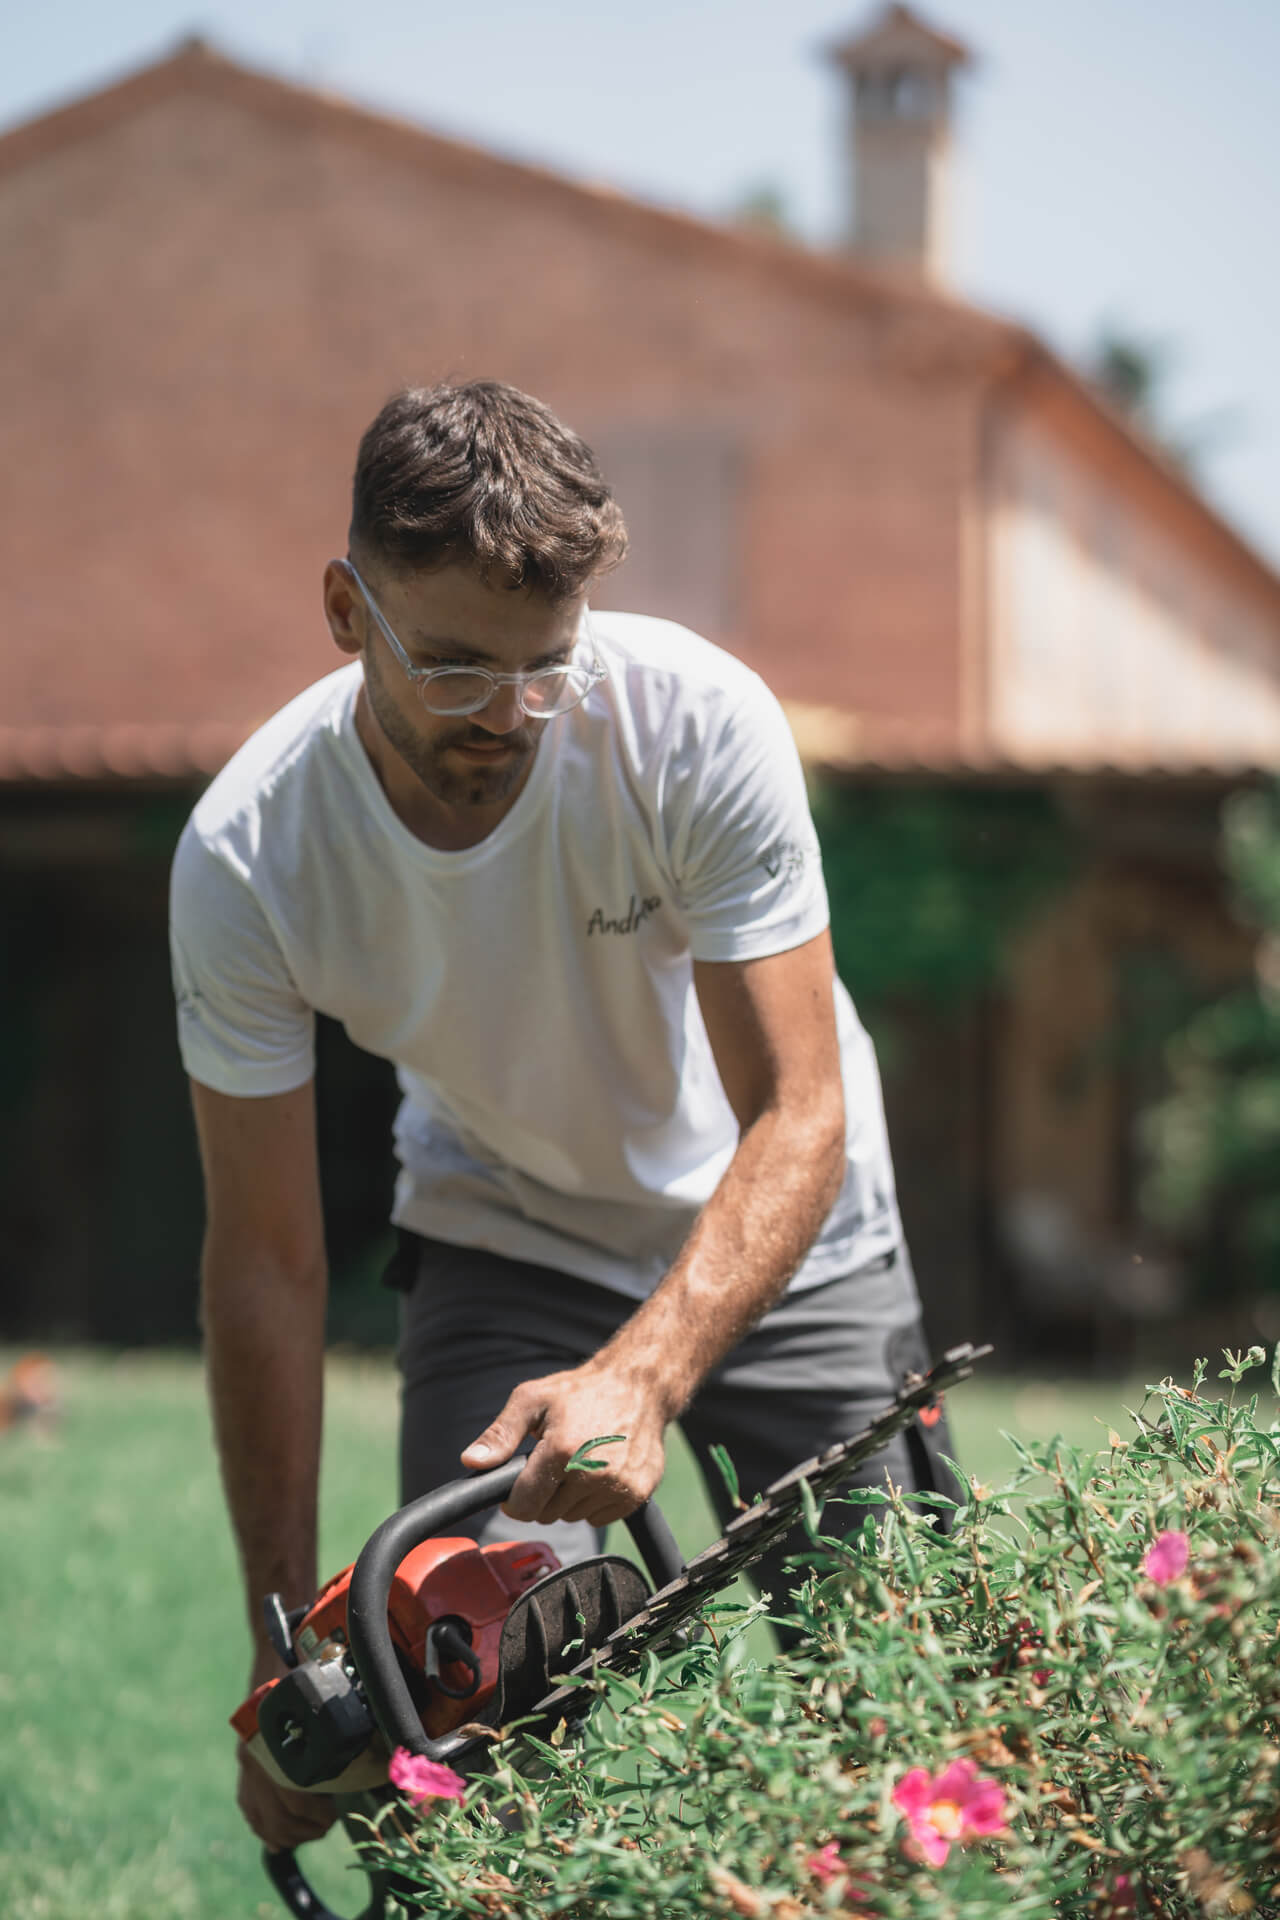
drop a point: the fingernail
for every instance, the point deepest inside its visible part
(480, 1450)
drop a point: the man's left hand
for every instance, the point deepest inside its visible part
(566, 1410)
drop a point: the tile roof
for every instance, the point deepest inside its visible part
(153, 616)
(835, 741)
(196, 66)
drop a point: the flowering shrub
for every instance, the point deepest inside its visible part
(1070, 1706)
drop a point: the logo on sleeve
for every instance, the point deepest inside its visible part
(786, 860)
(638, 911)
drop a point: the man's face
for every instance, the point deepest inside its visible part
(450, 618)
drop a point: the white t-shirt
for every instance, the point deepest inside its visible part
(535, 992)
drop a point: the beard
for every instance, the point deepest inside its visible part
(455, 784)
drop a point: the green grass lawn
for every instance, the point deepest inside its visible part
(123, 1646)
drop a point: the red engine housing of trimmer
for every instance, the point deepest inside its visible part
(441, 1579)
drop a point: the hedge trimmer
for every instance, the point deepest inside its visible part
(432, 1643)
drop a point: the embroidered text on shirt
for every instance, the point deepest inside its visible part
(638, 911)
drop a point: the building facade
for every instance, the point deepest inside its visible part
(950, 558)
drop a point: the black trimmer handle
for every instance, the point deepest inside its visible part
(369, 1636)
(300, 1896)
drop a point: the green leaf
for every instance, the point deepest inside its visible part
(812, 1515)
(581, 1463)
(728, 1473)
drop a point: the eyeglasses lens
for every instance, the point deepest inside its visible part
(456, 691)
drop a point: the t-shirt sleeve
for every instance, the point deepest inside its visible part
(243, 1027)
(745, 852)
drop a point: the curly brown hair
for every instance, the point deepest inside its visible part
(485, 476)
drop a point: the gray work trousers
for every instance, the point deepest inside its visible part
(813, 1371)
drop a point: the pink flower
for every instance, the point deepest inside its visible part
(826, 1863)
(826, 1866)
(1026, 1640)
(423, 1779)
(1117, 1897)
(1166, 1558)
(955, 1804)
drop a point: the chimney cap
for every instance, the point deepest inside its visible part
(195, 46)
(899, 33)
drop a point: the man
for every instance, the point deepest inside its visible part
(558, 866)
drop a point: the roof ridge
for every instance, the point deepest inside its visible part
(197, 60)
(83, 113)
(1003, 349)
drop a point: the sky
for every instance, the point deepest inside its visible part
(1118, 160)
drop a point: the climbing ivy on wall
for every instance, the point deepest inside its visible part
(927, 882)
(1214, 1142)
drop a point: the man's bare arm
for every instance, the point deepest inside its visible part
(772, 1029)
(771, 1024)
(263, 1284)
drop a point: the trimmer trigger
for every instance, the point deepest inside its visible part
(280, 1626)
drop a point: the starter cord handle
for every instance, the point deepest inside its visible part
(389, 1698)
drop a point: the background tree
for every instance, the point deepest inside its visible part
(1214, 1143)
(1133, 371)
(762, 208)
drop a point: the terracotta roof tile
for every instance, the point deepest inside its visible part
(86, 752)
(215, 277)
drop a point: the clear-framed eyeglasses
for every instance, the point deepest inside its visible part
(544, 693)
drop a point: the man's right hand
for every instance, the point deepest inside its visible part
(280, 1816)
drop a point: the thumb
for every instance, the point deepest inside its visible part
(503, 1435)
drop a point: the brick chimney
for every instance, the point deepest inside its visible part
(900, 145)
